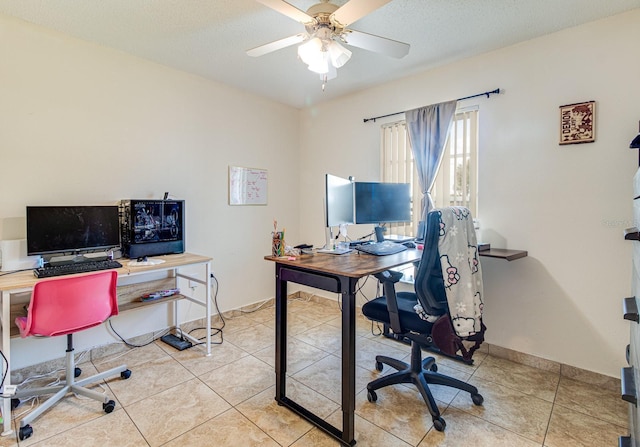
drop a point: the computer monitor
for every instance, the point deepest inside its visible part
(76, 230)
(378, 203)
(339, 201)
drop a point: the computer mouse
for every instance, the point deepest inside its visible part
(409, 244)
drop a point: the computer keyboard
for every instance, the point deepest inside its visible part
(381, 248)
(78, 267)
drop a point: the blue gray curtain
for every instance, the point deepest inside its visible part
(428, 129)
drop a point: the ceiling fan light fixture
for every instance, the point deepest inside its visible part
(323, 55)
(321, 65)
(339, 54)
(331, 74)
(311, 51)
(325, 24)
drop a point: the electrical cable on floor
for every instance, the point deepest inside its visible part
(259, 306)
(131, 345)
(5, 367)
(35, 401)
(306, 299)
(214, 331)
(375, 324)
(54, 382)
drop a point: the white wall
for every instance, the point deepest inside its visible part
(83, 124)
(566, 205)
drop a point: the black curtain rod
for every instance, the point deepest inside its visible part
(496, 91)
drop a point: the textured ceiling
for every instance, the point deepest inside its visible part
(209, 37)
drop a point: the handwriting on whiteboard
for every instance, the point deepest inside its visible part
(247, 186)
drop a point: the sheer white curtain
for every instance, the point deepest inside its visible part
(397, 166)
(457, 179)
(428, 130)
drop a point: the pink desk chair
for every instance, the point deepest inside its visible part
(63, 306)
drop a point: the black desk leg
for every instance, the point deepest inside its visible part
(281, 336)
(348, 359)
(329, 283)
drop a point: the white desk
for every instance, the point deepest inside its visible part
(21, 284)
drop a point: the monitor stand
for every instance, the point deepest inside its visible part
(329, 244)
(380, 237)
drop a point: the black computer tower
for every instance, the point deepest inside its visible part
(152, 227)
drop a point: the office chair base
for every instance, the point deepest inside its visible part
(69, 385)
(25, 432)
(421, 373)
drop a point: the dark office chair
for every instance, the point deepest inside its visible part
(62, 306)
(435, 329)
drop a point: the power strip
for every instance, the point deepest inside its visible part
(9, 390)
(176, 342)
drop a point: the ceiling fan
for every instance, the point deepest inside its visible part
(325, 32)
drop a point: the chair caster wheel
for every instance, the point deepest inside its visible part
(109, 406)
(379, 366)
(15, 402)
(434, 368)
(439, 424)
(372, 396)
(25, 432)
(125, 374)
(477, 399)
(77, 372)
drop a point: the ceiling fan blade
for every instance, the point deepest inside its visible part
(277, 45)
(354, 10)
(289, 10)
(378, 44)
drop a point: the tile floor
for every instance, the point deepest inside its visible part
(185, 399)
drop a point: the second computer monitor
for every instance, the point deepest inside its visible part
(338, 201)
(378, 203)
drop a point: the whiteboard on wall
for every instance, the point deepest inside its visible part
(247, 186)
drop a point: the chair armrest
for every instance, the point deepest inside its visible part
(389, 276)
(388, 279)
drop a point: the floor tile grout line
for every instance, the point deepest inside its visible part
(495, 424)
(472, 374)
(553, 406)
(136, 425)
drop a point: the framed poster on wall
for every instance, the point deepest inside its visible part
(247, 186)
(578, 123)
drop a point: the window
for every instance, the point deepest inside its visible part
(457, 179)
(398, 167)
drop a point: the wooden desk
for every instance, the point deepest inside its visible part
(337, 274)
(17, 287)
